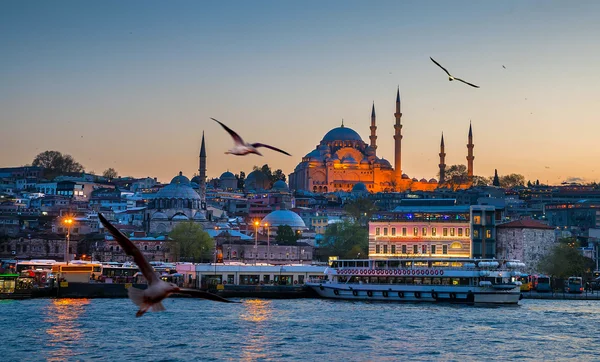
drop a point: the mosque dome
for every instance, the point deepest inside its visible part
(196, 180)
(284, 217)
(383, 162)
(227, 176)
(179, 188)
(433, 181)
(256, 180)
(405, 176)
(159, 216)
(359, 187)
(314, 154)
(415, 179)
(423, 180)
(341, 134)
(280, 186)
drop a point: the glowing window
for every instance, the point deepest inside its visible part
(456, 245)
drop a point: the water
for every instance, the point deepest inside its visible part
(296, 330)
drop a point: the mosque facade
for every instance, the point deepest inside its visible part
(342, 159)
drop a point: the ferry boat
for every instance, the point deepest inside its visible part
(472, 281)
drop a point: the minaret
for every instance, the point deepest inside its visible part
(470, 157)
(373, 136)
(398, 142)
(442, 161)
(202, 174)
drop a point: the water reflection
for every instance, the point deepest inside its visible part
(258, 312)
(63, 332)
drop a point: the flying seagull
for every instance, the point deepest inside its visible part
(503, 67)
(240, 148)
(151, 297)
(450, 77)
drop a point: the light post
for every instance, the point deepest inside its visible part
(268, 244)
(255, 241)
(69, 222)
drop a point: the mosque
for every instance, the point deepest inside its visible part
(342, 160)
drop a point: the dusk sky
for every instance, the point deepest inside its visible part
(132, 85)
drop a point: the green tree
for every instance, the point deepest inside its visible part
(110, 173)
(192, 242)
(481, 181)
(56, 163)
(565, 260)
(512, 180)
(346, 240)
(286, 235)
(361, 209)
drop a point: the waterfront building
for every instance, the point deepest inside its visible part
(342, 159)
(525, 240)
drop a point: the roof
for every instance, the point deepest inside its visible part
(525, 224)
(418, 208)
(342, 134)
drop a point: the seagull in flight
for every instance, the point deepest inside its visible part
(151, 297)
(450, 77)
(241, 148)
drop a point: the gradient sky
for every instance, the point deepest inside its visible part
(132, 85)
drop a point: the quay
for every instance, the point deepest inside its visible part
(595, 295)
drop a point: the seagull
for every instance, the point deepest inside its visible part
(151, 297)
(240, 148)
(503, 67)
(450, 77)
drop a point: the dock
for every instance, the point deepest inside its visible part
(595, 295)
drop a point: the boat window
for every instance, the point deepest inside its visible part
(360, 263)
(427, 281)
(445, 281)
(418, 281)
(408, 280)
(351, 263)
(394, 263)
(334, 264)
(435, 281)
(380, 264)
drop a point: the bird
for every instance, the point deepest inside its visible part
(503, 66)
(450, 77)
(547, 166)
(151, 297)
(241, 148)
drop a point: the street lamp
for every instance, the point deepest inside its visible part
(268, 244)
(68, 222)
(256, 223)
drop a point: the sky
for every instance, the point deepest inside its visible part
(132, 85)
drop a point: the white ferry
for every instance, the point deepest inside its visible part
(472, 281)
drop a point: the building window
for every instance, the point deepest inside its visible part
(393, 231)
(460, 231)
(415, 249)
(456, 245)
(393, 249)
(385, 231)
(403, 231)
(467, 232)
(424, 249)
(376, 249)
(444, 249)
(403, 249)
(432, 249)
(488, 234)
(477, 219)
(385, 249)
(445, 231)
(451, 231)
(424, 231)
(475, 233)
(145, 247)
(377, 231)
(433, 231)
(415, 231)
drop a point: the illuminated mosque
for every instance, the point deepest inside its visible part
(342, 160)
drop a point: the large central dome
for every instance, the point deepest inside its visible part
(342, 134)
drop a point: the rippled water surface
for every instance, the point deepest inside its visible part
(301, 330)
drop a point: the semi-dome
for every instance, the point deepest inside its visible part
(349, 160)
(342, 134)
(359, 187)
(227, 176)
(280, 186)
(284, 217)
(179, 217)
(159, 216)
(199, 215)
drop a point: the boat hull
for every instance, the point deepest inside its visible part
(405, 293)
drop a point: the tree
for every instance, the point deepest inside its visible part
(361, 209)
(191, 242)
(278, 175)
(56, 163)
(481, 181)
(345, 239)
(456, 175)
(512, 180)
(271, 176)
(241, 180)
(565, 260)
(110, 173)
(286, 235)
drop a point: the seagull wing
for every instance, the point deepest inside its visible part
(256, 145)
(439, 65)
(472, 85)
(131, 250)
(236, 137)
(205, 295)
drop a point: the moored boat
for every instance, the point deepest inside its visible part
(472, 281)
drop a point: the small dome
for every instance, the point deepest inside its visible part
(359, 187)
(280, 186)
(370, 151)
(159, 216)
(196, 179)
(423, 180)
(364, 161)
(227, 176)
(313, 154)
(341, 134)
(415, 179)
(405, 176)
(284, 217)
(256, 180)
(179, 217)
(433, 181)
(180, 180)
(349, 160)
